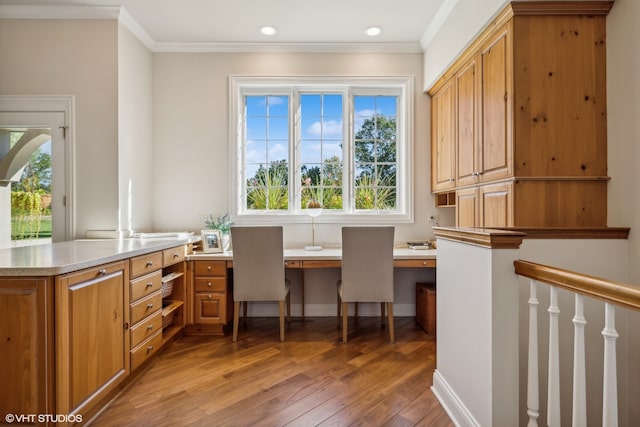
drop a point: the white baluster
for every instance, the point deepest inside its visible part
(610, 386)
(579, 418)
(553, 389)
(533, 405)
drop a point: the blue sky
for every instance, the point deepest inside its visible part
(321, 126)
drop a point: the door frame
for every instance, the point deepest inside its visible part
(51, 104)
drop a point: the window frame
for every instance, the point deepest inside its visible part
(400, 86)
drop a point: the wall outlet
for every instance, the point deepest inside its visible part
(434, 218)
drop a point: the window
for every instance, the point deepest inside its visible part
(340, 144)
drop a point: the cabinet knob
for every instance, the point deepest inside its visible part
(424, 263)
(209, 284)
(102, 272)
(209, 296)
(150, 305)
(150, 284)
(149, 348)
(209, 268)
(150, 327)
(149, 263)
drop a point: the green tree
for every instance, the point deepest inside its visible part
(36, 176)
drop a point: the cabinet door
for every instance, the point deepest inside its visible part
(26, 346)
(496, 205)
(210, 308)
(496, 152)
(443, 132)
(92, 347)
(468, 82)
(467, 207)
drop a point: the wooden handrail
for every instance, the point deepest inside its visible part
(606, 290)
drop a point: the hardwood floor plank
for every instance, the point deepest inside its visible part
(311, 379)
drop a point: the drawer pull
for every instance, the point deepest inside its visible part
(102, 272)
(209, 296)
(149, 348)
(209, 268)
(209, 284)
(424, 262)
(149, 263)
(150, 284)
(176, 256)
(150, 305)
(150, 327)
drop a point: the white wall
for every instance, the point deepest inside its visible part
(80, 58)
(135, 133)
(191, 158)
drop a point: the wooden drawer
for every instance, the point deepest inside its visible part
(144, 264)
(145, 285)
(146, 306)
(173, 255)
(145, 350)
(293, 263)
(211, 268)
(210, 284)
(143, 330)
(414, 263)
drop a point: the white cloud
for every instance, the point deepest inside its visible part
(326, 128)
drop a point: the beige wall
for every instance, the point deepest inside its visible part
(80, 58)
(135, 136)
(191, 158)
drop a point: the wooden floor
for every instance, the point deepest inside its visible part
(310, 379)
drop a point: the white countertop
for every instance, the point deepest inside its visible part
(64, 257)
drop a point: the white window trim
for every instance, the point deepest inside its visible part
(239, 85)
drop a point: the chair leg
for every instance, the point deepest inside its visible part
(288, 308)
(344, 321)
(281, 303)
(356, 309)
(392, 337)
(382, 312)
(245, 304)
(236, 319)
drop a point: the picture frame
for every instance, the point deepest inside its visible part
(211, 241)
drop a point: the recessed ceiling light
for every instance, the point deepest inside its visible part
(373, 31)
(268, 30)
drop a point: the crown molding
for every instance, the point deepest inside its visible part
(288, 47)
(32, 11)
(437, 22)
(120, 13)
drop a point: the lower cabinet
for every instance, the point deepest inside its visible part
(92, 348)
(212, 297)
(488, 205)
(26, 347)
(533, 203)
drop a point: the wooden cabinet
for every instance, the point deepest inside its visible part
(443, 138)
(174, 301)
(145, 308)
(92, 346)
(26, 347)
(212, 296)
(529, 112)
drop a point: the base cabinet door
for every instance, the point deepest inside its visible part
(92, 345)
(210, 307)
(26, 346)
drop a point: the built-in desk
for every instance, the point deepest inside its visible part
(329, 258)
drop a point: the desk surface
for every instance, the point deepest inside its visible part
(330, 257)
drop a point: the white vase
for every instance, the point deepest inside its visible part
(226, 242)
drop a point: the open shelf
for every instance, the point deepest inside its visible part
(446, 199)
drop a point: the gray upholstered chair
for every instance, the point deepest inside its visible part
(367, 271)
(258, 270)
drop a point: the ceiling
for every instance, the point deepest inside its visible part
(305, 24)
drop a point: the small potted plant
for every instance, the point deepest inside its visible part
(223, 224)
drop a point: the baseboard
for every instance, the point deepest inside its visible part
(262, 309)
(451, 403)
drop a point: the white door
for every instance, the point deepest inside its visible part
(52, 123)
